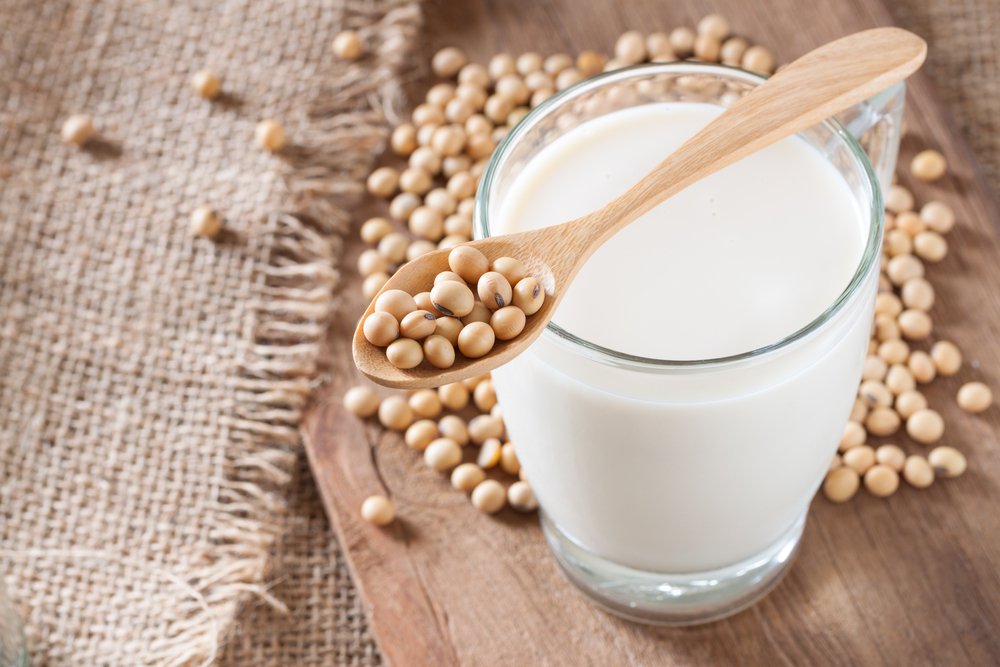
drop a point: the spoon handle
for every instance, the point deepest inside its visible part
(816, 86)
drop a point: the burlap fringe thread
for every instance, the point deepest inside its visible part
(342, 129)
(346, 126)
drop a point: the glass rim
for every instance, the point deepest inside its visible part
(637, 362)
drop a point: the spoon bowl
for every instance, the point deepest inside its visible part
(818, 85)
(371, 360)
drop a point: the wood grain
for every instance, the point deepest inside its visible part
(789, 102)
(912, 580)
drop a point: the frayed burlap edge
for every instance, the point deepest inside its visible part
(342, 128)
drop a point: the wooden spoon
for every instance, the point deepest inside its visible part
(816, 86)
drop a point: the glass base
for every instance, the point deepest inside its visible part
(674, 599)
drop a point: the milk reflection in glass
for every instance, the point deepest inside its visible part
(686, 472)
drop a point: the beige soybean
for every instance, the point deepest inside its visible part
(484, 427)
(841, 484)
(894, 351)
(974, 397)
(78, 129)
(418, 325)
(509, 462)
(383, 182)
(424, 302)
(454, 395)
(917, 294)
(394, 246)
(205, 222)
(521, 497)
(443, 454)
(860, 458)
(206, 84)
(394, 413)
(484, 396)
(439, 351)
(396, 302)
(630, 48)
(909, 223)
(898, 199)
(480, 313)
(347, 45)
(758, 59)
(891, 456)
(425, 403)
(918, 472)
(508, 322)
(270, 135)
(881, 481)
(453, 299)
(494, 290)
(361, 401)
(899, 379)
(947, 358)
(372, 261)
(875, 393)
(427, 223)
(910, 402)
(930, 246)
(882, 421)
(938, 216)
(590, 63)
(854, 435)
(447, 62)
(928, 165)
(468, 262)
(476, 380)
(904, 267)
(921, 366)
(859, 411)
(448, 328)
(467, 477)
(420, 434)
(489, 496)
(888, 303)
(404, 353)
(374, 229)
(925, 426)
(489, 453)
(380, 329)
(378, 510)
(887, 328)
(528, 295)
(403, 205)
(454, 427)
(372, 284)
(732, 51)
(874, 368)
(682, 40)
(404, 139)
(476, 339)
(947, 461)
(448, 275)
(511, 269)
(501, 64)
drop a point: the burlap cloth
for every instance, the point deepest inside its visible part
(103, 450)
(150, 382)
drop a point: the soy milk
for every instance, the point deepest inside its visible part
(688, 470)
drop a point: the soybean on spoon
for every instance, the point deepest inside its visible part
(804, 93)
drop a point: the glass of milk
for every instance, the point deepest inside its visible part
(680, 412)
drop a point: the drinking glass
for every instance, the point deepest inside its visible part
(702, 520)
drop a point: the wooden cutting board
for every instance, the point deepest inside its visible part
(910, 580)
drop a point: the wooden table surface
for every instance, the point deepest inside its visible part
(911, 580)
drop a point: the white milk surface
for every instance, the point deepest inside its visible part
(685, 472)
(734, 262)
